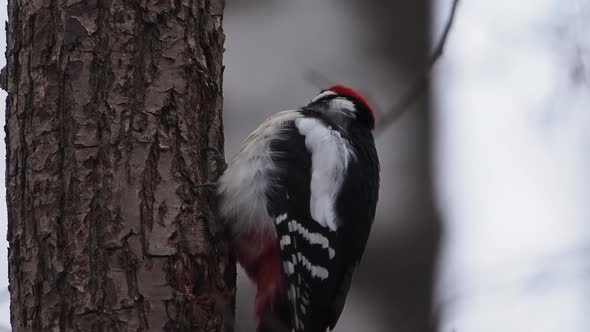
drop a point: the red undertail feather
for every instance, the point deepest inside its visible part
(263, 266)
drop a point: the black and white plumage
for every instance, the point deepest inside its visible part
(299, 199)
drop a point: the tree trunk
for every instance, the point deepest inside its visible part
(113, 120)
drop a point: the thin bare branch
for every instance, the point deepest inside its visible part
(421, 82)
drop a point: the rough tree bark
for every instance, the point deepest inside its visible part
(113, 119)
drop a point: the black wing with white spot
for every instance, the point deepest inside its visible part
(318, 260)
(355, 206)
(307, 265)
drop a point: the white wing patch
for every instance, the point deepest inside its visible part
(311, 237)
(285, 241)
(289, 268)
(297, 258)
(316, 271)
(281, 218)
(299, 268)
(330, 154)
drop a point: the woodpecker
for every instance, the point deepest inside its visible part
(299, 200)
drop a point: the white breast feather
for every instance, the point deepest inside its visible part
(329, 158)
(243, 186)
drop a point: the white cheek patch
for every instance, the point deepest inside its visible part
(342, 104)
(330, 154)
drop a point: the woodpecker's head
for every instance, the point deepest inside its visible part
(347, 99)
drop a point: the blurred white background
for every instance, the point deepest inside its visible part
(512, 129)
(513, 157)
